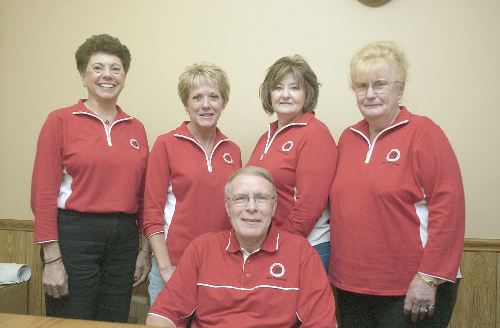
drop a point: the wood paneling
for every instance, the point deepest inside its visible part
(478, 303)
(16, 246)
(13, 246)
(498, 292)
(142, 289)
(21, 225)
(36, 296)
(482, 245)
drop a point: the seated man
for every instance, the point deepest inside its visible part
(250, 276)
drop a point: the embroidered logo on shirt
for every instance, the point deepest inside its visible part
(227, 158)
(277, 270)
(393, 155)
(287, 146)
(134, 143)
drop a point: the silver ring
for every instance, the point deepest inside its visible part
(430, 307)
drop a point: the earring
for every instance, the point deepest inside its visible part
(400, 101)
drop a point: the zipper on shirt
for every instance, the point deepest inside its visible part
(208, 158)
(372, 145)
(108, 131)
(271, 139)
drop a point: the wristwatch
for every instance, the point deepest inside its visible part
(429, 282)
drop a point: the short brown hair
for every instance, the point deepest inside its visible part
(102, 43)
(303, 74)
(203, 74)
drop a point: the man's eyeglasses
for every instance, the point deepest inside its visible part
(379, 86)
(259, 199)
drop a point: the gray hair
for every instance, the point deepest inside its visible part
(250, 170)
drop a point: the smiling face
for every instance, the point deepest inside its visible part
(104, 78)
(380, 109)
(204, 106)
(250, 222)
(288, 99)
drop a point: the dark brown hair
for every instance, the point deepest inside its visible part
(102, 43)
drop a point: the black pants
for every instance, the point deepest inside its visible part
(371, 311)
(99, 251)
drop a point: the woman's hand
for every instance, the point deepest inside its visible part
(143, 262)
(142, 266)
(166, 273)
(160, 251)
(55, 279)
(420, 299)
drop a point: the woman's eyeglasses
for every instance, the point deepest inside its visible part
(379, 86)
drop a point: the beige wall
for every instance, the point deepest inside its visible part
(453, 47)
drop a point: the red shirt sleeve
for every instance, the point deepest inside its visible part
(178, 299)
(46, 179)
(441, 181)
(316, 165)
(140, 210)
(156, 188)
(315, 302)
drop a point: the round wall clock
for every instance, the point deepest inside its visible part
(374, 3)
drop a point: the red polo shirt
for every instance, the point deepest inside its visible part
(277, 286)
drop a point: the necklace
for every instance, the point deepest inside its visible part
(106, 121)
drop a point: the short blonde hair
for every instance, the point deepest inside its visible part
(203, 74)
(303, 74)
(373, 56)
